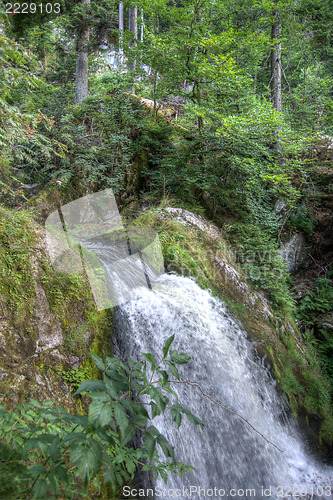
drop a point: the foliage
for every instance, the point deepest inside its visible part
(318, 302)
(17, 283)
(311, 313)
(100, 136)
(303, 379)
(22, 134)
(50, 452)
(263, 266)
(302, 220)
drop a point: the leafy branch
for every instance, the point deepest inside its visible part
(51, 452)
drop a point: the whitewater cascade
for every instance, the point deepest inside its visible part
(227, 455)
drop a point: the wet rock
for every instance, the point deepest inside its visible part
(48, 327)
(193, 220)
(295, 252)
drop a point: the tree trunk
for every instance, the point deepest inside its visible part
(142, 26)
(133, 26)
(121, 32)
(81, 75)
(133, 21)
(276, 73)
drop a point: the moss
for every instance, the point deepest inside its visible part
(34, 299)
(18, 242)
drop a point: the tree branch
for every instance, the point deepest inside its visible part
(224, 407)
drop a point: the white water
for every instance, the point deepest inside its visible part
(227, 454)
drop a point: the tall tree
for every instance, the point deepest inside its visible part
(121, 31)
(276, 69)
(133, 27)
(81, 74)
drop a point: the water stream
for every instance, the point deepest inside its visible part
(231, 460)
(228, 456)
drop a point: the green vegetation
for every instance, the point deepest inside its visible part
(312, 310)
(45, 451)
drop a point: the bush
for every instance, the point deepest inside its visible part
(50, 452)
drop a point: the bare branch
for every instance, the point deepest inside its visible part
(224, 407)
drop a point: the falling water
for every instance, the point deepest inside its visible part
(228, 454)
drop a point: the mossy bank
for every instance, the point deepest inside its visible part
(48, 320)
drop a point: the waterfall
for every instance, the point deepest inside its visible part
(228, 455)
(230, 459)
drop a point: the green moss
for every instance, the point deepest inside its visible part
(289, 381)
(18, 242)
(25, 274)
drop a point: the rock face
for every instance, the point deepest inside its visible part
(196, 221)
(50, 334)
(295, 252)
(43, 316)
(27, 347)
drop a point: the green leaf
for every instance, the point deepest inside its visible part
(87, 458)
(37, 469)
(61, 474)
(110, 387)
(100, 414)
(108, 475)
(150, 358)
(100, 396)
(165, 377)
(90, 385)
(150, 443)
(128, 434)
(130, 466)
(121, 417)
(174, 370)
(40, 489)
(74, 436)
(164, 475)
(153, 431)
(54, 450)
(140, 415)
(176, 415)
(98, 362)
(167, 346)
(155, 410)
(168, 450)
(179, 358)
(159, 398)
(193, 419)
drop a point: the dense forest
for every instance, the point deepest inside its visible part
(222, 109)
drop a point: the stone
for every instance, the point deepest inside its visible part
(294, 252)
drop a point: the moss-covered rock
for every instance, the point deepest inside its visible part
(48, 320)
